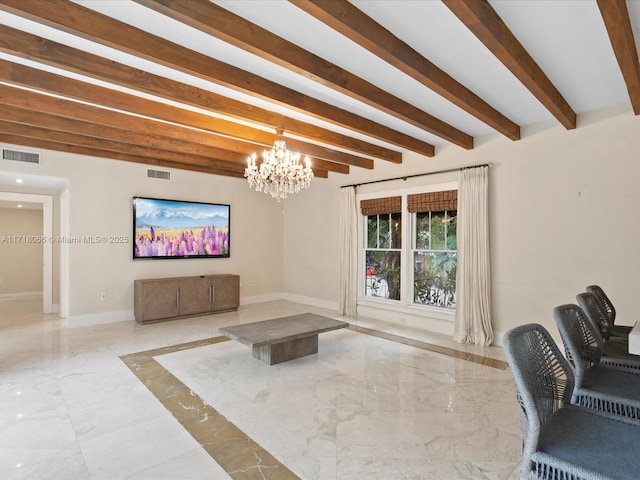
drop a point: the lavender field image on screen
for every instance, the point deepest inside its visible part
(179, 229)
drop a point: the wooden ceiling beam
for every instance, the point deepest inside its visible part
(25, 45)
(130, 140)
(219, 22)
(69, 109)
(34, 142)
(351, 22)
(34, 131)
(616, 20)
(485, 23)
(16, 42)
(84, 22)
(32, 136)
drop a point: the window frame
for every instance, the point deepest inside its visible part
(366, 248)
(405, 304)
(414, 248)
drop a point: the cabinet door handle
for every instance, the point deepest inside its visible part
(178, 298)
(212, 294)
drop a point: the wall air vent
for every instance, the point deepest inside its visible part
(18, 156)
(158, 174)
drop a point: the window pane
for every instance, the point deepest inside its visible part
(438, 228)
(396, 230)
(434, 281)
(372, 231)
(382, 277)
(452, 228)
(384, 238)
(422, 230)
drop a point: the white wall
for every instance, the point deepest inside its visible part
(563, 208)
(100, 197)
(20, 260)
(563, 216)
(310, 245)
(48, 198)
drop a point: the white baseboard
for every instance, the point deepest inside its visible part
(87, 320)
(498, 339)
(76, 321)
(9, 296)
(436, 325)
(314, 302)
(406, 318)
(270, 297)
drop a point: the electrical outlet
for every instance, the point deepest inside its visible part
(103, 296)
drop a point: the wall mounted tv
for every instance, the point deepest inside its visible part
(164, 229)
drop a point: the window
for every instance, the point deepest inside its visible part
(384, 242)
(435, 259)
(434, 251)
(421, 271)
(383, 247)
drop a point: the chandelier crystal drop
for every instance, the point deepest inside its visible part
(280, 172)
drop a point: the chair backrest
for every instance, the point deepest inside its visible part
(544, 382)
(605, 303)
(582, 342)
(594, 312)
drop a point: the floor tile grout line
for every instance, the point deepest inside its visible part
(451, 352)
(232, 449)
(237, 453)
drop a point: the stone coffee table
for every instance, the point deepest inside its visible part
(282, 339)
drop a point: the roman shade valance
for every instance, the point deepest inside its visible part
(380, 206)
(433, 201)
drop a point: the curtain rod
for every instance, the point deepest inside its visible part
(418, 175)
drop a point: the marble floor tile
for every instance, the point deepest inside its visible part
(378, 401)
(194, 464)
(365, 399)
(43, 463)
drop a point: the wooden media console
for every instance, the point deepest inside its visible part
(160, 299)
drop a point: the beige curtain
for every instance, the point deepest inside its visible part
(348, 252)
(473, 281)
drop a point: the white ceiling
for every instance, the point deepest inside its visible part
(30, 181)
(20, 205)
(567, 38)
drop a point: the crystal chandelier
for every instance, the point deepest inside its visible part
(280, 172)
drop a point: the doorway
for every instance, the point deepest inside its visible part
(46, 201)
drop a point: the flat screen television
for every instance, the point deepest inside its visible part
(164, 229)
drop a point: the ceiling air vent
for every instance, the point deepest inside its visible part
(18, 156)
(159, 174)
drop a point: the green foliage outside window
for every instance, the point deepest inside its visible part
(384, 239)
(435, 259)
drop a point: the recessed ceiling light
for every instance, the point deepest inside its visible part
(19, 180)
(19, 206)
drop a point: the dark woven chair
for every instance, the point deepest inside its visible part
(612, 354)
(596, 386)
(610, 311)
(595, 313)
(613, 346)
(561, 441)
